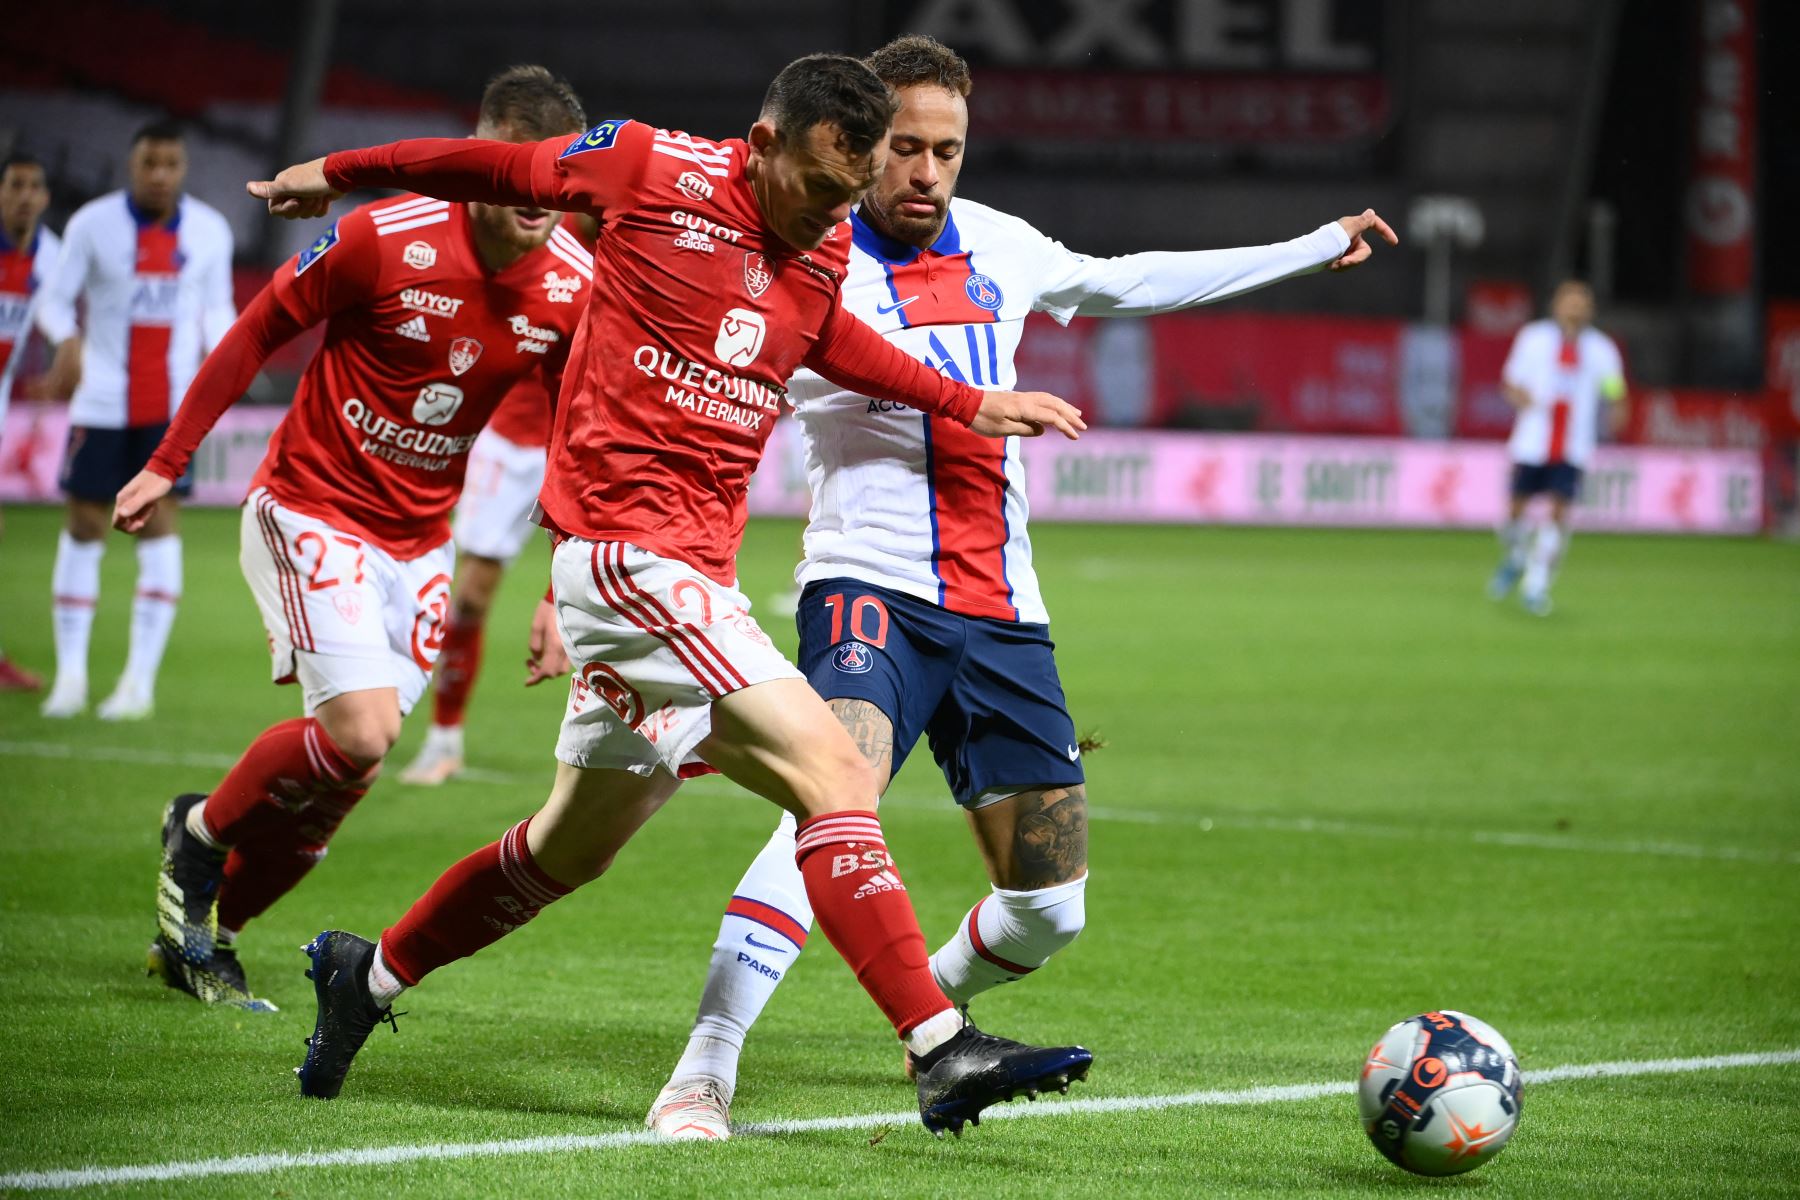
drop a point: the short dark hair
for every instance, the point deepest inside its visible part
(164, 129)
(18, 158)
(532, 103)
(918, 59)
(831, 89)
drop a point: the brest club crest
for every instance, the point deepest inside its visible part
(463, 353)
(758, 274)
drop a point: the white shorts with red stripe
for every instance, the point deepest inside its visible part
(342, 615)
(493, 517)
(652, 643)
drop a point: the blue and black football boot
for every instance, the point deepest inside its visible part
(974, 1069)
(348, 1012)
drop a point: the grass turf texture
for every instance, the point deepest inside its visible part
(1314, 739)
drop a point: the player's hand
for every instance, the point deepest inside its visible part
(298, 192)
(137, 501)
(1026, 414)
(1360, 246)
(546, 658)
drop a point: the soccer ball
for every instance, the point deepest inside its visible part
(1440, 1093)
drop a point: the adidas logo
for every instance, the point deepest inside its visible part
(882, 881)
(414, 329)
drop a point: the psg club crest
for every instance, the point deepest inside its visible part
(758, 274)
(983, 292)
(853, 658)
(463, 353)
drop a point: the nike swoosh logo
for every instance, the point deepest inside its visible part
(1074, 753)
(885, 309)
(751, 938)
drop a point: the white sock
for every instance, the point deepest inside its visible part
(1514, 537)
(1008, 935)
(933, 1032)
(445, 737)
(1546, 552)
(153, 608)
(749, 958)
(384, 985)
(74, 591)
(201, 831)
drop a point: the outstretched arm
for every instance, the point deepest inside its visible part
(1163, 281)
(854, 356)
(225, 375)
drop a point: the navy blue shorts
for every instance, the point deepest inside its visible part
(985, 693)
(1557, 478)
(99, 462)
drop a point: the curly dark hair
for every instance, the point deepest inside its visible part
(531, 103)
(830, 89)
(918, 59)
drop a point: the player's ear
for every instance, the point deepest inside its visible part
(763, 137)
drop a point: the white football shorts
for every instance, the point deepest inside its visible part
(493, 517)
(652, 643)
(342, 615)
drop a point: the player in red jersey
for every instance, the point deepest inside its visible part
(717, 275)
(27, 251)
(432, 311)
(493, 522)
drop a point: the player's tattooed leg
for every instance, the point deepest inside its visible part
(872, 732)
(1036, 839)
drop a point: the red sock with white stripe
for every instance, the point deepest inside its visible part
(1008, 935)
(472, 905)
(862, 906)
(262, 869)
(288, 764)
(153, 609)
(459, 661)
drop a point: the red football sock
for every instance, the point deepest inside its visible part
(459, 661)
(264, 868)
(864, 910)
(285, 767)
(472, 905)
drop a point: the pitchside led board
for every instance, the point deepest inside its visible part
(1164, 82)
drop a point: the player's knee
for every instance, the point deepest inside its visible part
(366, 739)
(840, 779)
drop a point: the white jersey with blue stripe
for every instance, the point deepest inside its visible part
(920, 504)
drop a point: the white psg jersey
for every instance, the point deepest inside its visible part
(158, 296)
(927, 507)
(1567, 380)
(23, 272)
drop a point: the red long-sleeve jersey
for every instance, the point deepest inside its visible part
(421, 344)
(701, 313)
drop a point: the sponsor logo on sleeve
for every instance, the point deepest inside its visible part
(983, 291)
(740, 337)
(420, 256)
(600, 137)
(437, 403)
(758, 274)
(314, 252)
(463, 353)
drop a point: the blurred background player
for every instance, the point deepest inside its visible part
(28, 251)
(493, 523)
(921, 612)
(433, 312)
(718, 276)
(153, 267)
(1559, 374)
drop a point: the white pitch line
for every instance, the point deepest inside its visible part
(1308, 825)
(264, 1164)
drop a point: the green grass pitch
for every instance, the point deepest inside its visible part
(1341, 787)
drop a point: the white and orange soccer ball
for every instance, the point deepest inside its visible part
(1440, 1093)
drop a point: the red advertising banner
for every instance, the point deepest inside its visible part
(1254, 371)
(1694, 419)
(1783, 370)
(1720, 210)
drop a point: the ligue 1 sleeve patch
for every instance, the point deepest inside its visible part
(600, 137)
(314, 252)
